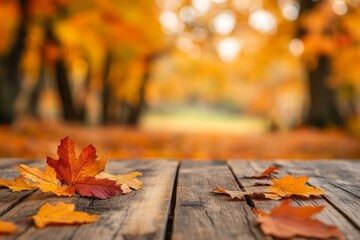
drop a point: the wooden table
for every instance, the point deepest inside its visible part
(176, 202)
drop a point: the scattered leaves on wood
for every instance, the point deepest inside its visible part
(61, 213)
(7, 227)
(18, 185)
(70, 174)
(129, 179)
(266, 173)
(286, 221)
(290, 185)
(240, 194)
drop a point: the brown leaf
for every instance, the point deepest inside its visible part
(266, 173)
(289, 185)
(286, 221)
(240, 194)
(61, 213)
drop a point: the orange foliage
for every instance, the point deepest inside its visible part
(61, 213)
(286, 221)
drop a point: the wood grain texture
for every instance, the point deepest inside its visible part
(138, 215)
(200, 214)
(339, 179)
(195, 213)
(329, 215)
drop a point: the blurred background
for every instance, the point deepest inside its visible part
(181, 78)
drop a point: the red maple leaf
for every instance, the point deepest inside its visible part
(81, 171)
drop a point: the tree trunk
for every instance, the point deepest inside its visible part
(9, 74)
(323, 109)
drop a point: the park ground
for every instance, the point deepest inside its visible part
(164, 137)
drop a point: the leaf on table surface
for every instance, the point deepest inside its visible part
(100, 188)
(266, 173)
(46, 181)
(289, 185)
(61, 213)
(71, 169)
(129, 179)
(286, 221)
(7, 227)
(18, 185)
(240, 194)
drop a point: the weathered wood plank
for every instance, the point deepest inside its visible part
(339, 180)
(200, 214)
(138, 215)
(329, 215)
(9, 171)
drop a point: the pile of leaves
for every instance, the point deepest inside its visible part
(286, 221)
(67, 176)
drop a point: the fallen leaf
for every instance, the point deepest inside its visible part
(240, 194)
(286, 221)
(289, 185)
(100, 188)
(70, 169)
(80, 172)
(266, 173)
(18, 185)
(61, 213)
(46, 181)
(128, 179)
(7, 227)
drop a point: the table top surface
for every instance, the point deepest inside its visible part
(176, 202)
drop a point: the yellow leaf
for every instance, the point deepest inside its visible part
(241, 195)
(128, 179)
(61, 213)
(46, 181)
(289, 185)
(7, 227)
(20, 184)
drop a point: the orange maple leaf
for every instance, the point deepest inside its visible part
(266, 173)
(46, 181)
(70, 169)
(80, 172)
(7, 227)
(61, 213)
(289, 185)
(18, 185)
(286, 221)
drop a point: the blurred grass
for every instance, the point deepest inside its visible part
(195, 120)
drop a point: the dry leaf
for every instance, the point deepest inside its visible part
(80, 172)
(70, 169)
(46, 181)
(286, 221)
(289, 185)
(61, 213)
(266, 173)
(128, 179)
(7, 227)
(18, 185)
(99, 188)
(240, 194)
